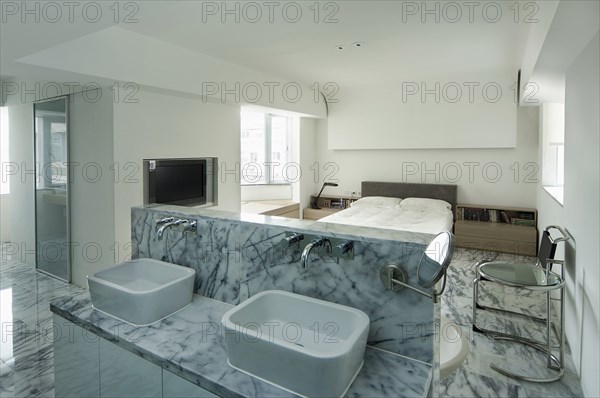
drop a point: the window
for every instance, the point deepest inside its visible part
(264, 147)
(5, 182)
(553, 150)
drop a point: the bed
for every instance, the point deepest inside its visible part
(425, 208)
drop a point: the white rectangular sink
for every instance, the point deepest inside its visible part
(303, 345)
(141, 291)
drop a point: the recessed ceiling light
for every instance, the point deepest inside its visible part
(340, 47)
(358, 44)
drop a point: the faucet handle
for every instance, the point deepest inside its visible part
(327, 243)
(320, 241)
(191, 227)
(291, 240)
(343, 248)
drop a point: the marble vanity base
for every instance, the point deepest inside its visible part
(190, 344)
(237, 256)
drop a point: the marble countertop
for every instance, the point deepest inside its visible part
(341, 231)
(191, 345)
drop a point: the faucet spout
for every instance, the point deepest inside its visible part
(316, 243)
(306, 254)
(161, 231)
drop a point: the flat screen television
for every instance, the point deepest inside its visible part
(175, 181)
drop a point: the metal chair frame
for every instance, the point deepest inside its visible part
(552, 362)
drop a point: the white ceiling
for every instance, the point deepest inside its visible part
(306, 50)
(395, 50)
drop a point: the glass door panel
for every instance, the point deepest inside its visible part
(51, 188)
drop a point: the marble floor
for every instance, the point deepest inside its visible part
(475, 378)
(26, 356)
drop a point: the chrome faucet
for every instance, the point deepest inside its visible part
(191, 227)
(164, 221)
(290, 240)
(316, 243)
(344, 249)
(167, 225)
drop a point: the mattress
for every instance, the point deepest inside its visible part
(424, 221)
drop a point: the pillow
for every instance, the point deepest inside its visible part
(376, 201)
(425, 204)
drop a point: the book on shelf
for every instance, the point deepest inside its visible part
(526, 216)
(513, 217)
(337, 204)
(334, 202)
(472, 214)
(493, 215)
(523, 221)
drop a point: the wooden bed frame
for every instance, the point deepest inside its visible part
(411, 190)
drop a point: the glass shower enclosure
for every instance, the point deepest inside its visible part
(51, 138)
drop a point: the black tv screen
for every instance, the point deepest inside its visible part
(177, 181)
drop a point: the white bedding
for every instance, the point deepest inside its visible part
(430, 222)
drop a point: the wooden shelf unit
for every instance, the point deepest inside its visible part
(497, 228)
(281, 208)
(328, 204)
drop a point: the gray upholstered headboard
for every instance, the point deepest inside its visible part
(406, 190)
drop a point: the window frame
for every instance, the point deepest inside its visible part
(268, 178)
(553, 145)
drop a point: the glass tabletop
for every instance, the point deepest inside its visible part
(520, 274)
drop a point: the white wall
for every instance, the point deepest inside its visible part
(484, 176)
(581, 209)
(92, 200)
(472, 111)
(535, 42)
(22, 184)
(580, 214)
(162, 125)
